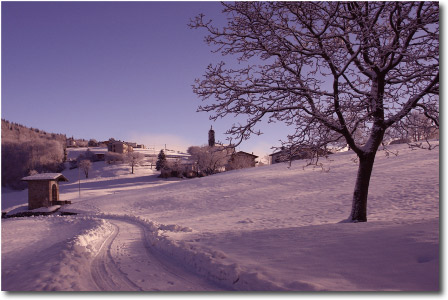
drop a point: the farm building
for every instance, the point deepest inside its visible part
(119, 147)
(71, 142)
(241, 160)
(295, 153)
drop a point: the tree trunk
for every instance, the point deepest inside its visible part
(359, 206)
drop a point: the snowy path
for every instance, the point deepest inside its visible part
(126, 262)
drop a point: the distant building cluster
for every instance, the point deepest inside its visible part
(206, 160)
(122, 147)
(112, 145)
(199, 161)
(71, 142)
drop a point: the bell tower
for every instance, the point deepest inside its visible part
(211, 137)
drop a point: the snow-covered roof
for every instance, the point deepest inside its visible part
(46, 176)
(245, 153)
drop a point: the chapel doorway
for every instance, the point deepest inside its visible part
(54, 193)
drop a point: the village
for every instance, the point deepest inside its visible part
(197, 161)
(43, 188)
(176, 163)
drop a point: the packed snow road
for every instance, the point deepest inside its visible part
(126, 262)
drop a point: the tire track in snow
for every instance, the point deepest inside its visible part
(105, 273)
(126, 262)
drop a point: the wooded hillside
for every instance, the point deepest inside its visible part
(28, 150)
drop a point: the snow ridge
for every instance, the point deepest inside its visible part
(75, 259)
(205, 262)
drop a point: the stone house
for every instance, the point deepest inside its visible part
(119, 147)
(295, 153)
(241, 160)
(71, 142)
(43, 190)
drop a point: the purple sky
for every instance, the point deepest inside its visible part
(112, 69)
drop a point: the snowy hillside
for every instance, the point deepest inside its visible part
(266, 228)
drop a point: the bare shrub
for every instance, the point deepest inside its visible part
(85, 166)
(113, 158)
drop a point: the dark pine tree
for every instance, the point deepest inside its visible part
(161, 160)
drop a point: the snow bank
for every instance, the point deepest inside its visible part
(46, 209)
(52, 254)
(73, 270)
(209, 263)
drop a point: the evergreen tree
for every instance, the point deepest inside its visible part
(161, 160)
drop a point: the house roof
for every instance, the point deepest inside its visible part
(298, 148)
(245, 153)
(45, 176)
(276, 152)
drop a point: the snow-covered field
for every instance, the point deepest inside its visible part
(266, 228)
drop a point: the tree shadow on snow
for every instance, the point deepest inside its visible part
(106, 183)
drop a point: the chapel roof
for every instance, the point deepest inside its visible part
(46, 176)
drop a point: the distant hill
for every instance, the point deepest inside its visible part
(14, 132)
(26, 150)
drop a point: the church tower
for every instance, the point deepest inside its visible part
(211, 137)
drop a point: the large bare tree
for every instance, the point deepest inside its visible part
(332, 71)
(210, 160)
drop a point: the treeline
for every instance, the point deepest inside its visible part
(17, 132)
(29, 150)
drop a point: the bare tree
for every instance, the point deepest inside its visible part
(152, 160)
(112, 157)
(134, 159)
(210, 160)
(85, 166)
(332, 70)
(414, 127)
(92, 143)
(172, 168)
(20, 157)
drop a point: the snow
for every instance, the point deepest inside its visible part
(73, 153)
(24, 209)
(45, 176)
(51, 254)
(46, 209)
(266, 228)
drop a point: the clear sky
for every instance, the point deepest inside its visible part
(112, 69)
